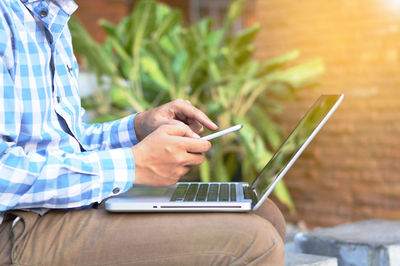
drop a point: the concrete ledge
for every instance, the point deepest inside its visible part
(299, 259)
(366, 243)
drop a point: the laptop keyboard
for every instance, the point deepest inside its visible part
(204, 192)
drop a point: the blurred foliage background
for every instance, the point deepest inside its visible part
(151, 57)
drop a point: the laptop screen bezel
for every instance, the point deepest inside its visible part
(261, 198)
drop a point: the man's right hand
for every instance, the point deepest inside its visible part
(166, 155)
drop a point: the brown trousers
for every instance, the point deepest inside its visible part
(95, 237)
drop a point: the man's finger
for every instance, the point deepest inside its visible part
(187, 111)
(195, 145)
(195, 125)
(194, 159)
(188, 133)
(177, 128)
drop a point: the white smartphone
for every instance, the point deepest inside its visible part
(222, 132)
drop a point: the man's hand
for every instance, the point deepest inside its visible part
(175, 112)
(167, 154)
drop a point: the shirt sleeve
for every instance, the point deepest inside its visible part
(54, 178)
(110, 135)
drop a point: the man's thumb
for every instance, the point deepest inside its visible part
(178, 128)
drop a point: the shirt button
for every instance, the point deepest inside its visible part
(43, 13)
(24, 1)
(116, 190)
(58, 99)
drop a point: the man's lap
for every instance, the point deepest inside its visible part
(95, 237)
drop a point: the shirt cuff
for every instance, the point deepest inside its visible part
(116, 171)
(125, 133)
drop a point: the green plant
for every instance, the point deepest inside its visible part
(151, 57)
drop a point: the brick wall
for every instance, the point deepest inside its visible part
(351, 171)
(89, 12)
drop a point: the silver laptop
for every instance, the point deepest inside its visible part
(229, 196)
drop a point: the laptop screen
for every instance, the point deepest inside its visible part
(293, 146)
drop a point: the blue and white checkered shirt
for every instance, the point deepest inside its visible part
(49, 158)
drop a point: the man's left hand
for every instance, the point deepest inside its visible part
(175, 112)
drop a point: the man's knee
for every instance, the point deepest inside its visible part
(269, 211)
(262, 245)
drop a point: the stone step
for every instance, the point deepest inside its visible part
(365, 243)
(291, 247)
(299, 259)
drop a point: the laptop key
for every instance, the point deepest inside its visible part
(202, 193)
(247, 193)
(179, 192)
(233, 192)
(213, 192)
(224, 192)
(191, 192)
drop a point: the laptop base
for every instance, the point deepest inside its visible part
(150, 199)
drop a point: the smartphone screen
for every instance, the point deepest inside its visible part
(222, 132)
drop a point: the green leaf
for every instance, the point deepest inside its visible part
(303, 74)
(277, 62)
(231, 163)
(243, 38)
(242, 56)
(108, 27)
(101, 62)
(123, 96)
(168, 23)
(212, 41)
(150, 67)
(119, 97)
(105, 118)
(248, 172)
(124, 56)
(265, 126)
(270, 105)
(253, 143)
(221, 173)
(165, 63)
(235, 11)
(168, 45)
(179, 62)
(282, 90)
(141, 24)
(202, 27)
(282, 193)
(205, 171)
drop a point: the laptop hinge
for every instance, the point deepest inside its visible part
(251, 192)
(254, 199)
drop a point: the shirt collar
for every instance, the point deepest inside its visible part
(69, 6)
(53, 14)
